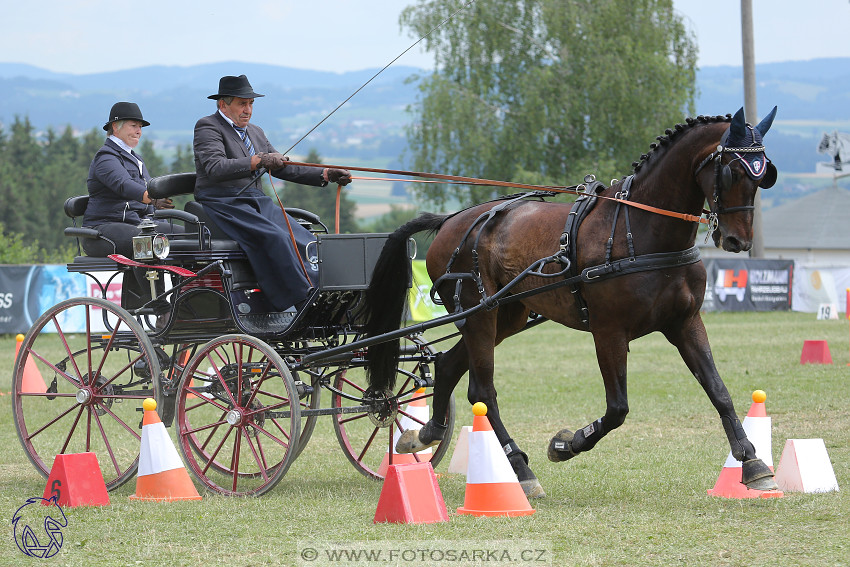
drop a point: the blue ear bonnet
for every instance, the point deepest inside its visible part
(747, 144)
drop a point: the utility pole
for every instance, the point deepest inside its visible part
(750, 111)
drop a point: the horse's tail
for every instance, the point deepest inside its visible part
(385, 299)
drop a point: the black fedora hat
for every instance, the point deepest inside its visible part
(125, 111)
(235, 86)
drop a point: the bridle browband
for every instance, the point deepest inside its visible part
(723, 178)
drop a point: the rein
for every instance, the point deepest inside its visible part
(572, 190)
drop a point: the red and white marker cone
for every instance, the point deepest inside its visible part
(32, 382)
(757, 427)
(492, 488)
(161, 476)
(417, 409)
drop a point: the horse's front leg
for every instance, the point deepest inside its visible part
(692, 342)
(611, 354)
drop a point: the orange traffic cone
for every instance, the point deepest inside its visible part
(417, 409)
(492, 488)
(32, 382)
(161, 475)
(757, 427)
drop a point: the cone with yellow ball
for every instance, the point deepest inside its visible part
(32, 381)
(161, 475)
(492, 488)
(757, 427)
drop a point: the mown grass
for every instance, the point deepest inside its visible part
(639, 498)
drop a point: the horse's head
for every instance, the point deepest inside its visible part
(739, 168)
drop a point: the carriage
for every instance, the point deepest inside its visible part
(243, 381)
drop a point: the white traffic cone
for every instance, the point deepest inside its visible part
(161, 475)
(417, 409)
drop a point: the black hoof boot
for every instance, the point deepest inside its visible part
(560, 447)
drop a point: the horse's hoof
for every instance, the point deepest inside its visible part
(409, 442)
(560, 446)
(757, 476)
(766, 483)
(532, 488)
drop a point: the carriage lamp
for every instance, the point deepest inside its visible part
(149, 244)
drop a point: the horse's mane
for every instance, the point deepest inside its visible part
(673, 134)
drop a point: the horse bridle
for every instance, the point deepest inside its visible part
(723, 176)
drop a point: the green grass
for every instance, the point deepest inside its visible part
(639, 498)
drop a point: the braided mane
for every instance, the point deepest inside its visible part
(672, 134)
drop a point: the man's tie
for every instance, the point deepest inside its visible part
(245, 139)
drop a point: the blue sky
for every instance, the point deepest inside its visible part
(84, 36)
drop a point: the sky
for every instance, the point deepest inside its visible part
(89, 36)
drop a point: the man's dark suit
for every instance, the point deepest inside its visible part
(252, 219)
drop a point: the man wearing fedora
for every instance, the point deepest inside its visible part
(229, 151)
(117, 184)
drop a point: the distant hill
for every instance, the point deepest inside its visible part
(813, 98)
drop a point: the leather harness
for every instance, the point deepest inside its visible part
(565, 256)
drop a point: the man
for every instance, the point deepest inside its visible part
(229, 151)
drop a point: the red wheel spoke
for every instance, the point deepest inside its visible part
(106, 442)
(71, 431)
(367, 445)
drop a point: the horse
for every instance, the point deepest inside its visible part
(837, 145)
(632, 252)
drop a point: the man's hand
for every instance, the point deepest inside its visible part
(339, 176)
(272, 161)
(163, 203)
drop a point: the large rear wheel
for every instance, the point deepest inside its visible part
(368, 435)
(78, 388)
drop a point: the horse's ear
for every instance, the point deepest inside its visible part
(765, 124)
(738, 128)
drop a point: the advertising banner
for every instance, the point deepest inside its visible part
(748, 284)
(816, 287)
(28, 291)
(419, 302)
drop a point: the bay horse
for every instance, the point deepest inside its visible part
(621, 259)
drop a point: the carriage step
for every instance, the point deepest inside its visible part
(266, 322)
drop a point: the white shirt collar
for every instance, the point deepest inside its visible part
(121, 144)
(229, 121)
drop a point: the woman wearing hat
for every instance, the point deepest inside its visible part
(117, 184)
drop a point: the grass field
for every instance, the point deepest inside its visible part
(639, 498)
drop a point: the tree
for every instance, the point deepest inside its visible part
(546, 91)
(184, 159)
(321, 201)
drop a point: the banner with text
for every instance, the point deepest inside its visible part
(748, 284)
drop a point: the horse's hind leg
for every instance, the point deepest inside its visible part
(480, 341)
(611, 354)
(692, 341)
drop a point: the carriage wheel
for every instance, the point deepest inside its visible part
(368, 437)
(78, 388)
(237, 415)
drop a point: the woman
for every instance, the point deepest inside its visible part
(117, 184)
